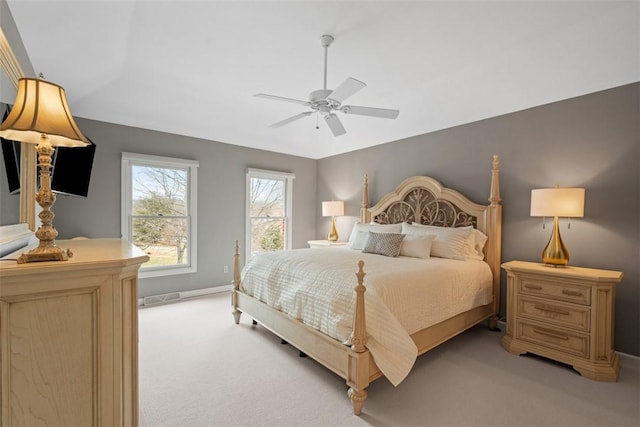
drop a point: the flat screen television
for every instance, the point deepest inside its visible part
(70, 172)
(11, 157)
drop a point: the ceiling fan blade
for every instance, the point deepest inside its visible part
(384, 113)
(334, 124)
(282, 98)
(345, 90)
(291, 119)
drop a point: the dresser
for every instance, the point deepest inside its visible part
(69, 337)
(565, 314)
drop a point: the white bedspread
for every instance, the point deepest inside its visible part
(404, 295)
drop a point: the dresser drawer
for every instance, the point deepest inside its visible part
(558, 291)
(558, 339)
(571, 316)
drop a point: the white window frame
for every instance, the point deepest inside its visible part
(133, 159)
(288, 220)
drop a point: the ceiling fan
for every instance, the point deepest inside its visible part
(326, 101)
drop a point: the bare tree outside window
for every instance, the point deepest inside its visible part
(267, 214)
(269, 211)
(160, 213)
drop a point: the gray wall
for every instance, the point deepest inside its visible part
(590, 141)
(221, 197)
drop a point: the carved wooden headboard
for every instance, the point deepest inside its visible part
(424, 200)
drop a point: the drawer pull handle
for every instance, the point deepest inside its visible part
(536, 287)
(571, 293)
(551, 333)
(551, 309)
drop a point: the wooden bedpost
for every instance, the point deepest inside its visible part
(236, 283)
(364, 208)
(494, 228)
(358, 337)
(358, 340)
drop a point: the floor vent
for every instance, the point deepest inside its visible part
(160, 299)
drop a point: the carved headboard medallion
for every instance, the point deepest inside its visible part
(422, 206)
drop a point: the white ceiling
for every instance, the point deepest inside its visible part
(191, 67)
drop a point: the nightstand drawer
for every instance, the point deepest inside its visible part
(559, 339)
(558, 291)
(566, 315)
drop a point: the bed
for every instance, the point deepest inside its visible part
(359, 344)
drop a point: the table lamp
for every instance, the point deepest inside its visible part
(557, 202)
(40, 115)
(333, 209)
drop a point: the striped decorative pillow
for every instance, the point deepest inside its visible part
(450, 242)
(387, 244)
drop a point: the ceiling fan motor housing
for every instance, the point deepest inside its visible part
(319, 102)
(319, 96)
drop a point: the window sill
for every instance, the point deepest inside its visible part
(172, 271)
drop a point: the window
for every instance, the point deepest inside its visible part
(269, 211)
(159, 206)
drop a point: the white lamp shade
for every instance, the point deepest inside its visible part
(333, 208)
(562, 202)
(41, 108)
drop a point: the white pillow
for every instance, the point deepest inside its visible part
(385, 228)
(417, 245)
(475, 244)
(358, 236)
(450, 242)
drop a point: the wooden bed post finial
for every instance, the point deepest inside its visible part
(236, 283)
(365, 191)
(494, 198)
(364, 208)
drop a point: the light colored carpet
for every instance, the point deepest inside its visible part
(198, 368)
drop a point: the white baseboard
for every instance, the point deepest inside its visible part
(630, 356)
(195, 293)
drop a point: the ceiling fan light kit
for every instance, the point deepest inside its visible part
(326, 101)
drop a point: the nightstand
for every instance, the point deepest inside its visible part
(565, 314)
(325, 244)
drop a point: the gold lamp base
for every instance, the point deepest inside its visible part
(556, 253)
(47, 249)
(39, 254)
(333, 232)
